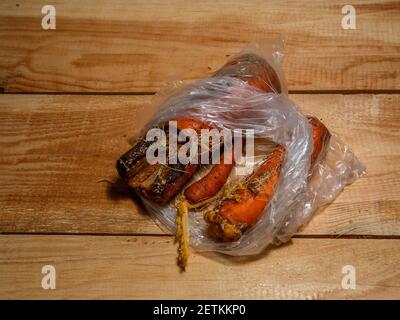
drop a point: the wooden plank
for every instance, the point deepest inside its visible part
(125, 46)
(54, 149)
(135, 267)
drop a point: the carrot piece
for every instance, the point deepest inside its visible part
(321, 136)
(250, 202)
(211, 183)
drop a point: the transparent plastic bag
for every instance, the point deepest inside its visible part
(230, 103)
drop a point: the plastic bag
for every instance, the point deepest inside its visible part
(231, 103)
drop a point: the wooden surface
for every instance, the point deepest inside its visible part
(144, 268)
(131, 46)
(51, 164)
(54, 148)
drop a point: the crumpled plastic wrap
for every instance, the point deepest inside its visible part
(231, 103)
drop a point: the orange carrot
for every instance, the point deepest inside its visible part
(210, 184)
(242, 209)
(321, 136)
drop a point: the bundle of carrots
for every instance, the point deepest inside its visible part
(236, 208)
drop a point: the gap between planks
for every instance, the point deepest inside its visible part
(150, 93)
(297, 236)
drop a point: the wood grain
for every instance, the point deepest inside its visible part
(131, 46)
(144, 268)
(55, 148)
